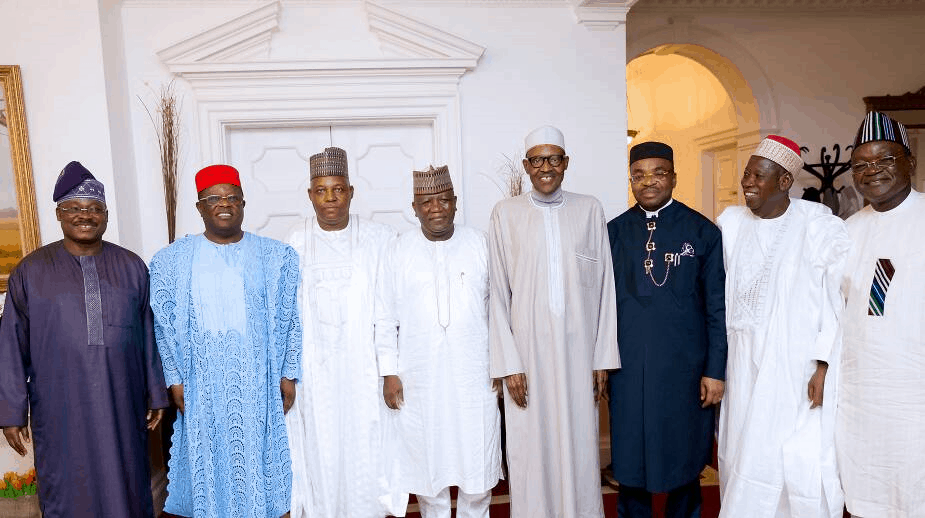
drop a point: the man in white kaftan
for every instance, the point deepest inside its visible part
(432, 344)
(334, 426)
(784, 260)
(553, 335)
(880, 432)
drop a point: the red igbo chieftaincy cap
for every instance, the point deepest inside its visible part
(216, 174)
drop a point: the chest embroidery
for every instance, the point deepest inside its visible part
(671, 258)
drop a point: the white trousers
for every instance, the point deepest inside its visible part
(467, 506)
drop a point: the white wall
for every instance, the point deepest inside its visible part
(58, 45)
(540, 67)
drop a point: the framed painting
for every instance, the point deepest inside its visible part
(908, 109)
(19, 229)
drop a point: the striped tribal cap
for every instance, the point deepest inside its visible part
(330, 162)
(432, 181)
(879, 126)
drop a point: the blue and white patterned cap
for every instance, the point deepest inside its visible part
(879, 126)
(88, 189)
(75, 181)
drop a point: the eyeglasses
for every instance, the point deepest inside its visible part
(659, 175)
(92, 211)
(554, 160)
(213, 200)
(861, 166)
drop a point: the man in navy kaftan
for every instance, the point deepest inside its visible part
(669, 276)
(228, 330)
(77, 353)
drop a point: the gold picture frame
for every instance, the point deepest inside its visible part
(908, 108)
(16, 180)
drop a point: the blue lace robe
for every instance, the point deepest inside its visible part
(230, 453)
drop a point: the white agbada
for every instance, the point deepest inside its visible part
(776, 455)
(432, 331)
(880, 432)
(334, 425)
(554, 318)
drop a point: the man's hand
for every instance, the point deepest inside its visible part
(176, 394)
(600, 385)
(498, 386)
(711, 391)
(392, 392)
(817, 384)
(287, 389)
(15, 435)
(517, 388)
(154, 417)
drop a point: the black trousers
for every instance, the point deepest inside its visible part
(683, 502)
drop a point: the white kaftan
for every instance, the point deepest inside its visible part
(334, 426)
(553, 317)
(776, 455)
(434, 296)
(880, 434)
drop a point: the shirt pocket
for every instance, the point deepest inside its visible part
(120, 307)
(589, 268)
(121, 317)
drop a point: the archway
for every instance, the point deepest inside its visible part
(676, 100)
(748, 88)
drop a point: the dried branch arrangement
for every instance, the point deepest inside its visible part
(166, 121)
(512, 173)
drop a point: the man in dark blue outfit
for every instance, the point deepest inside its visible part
(669, 276)
(77, 356)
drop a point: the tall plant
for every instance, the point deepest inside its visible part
(166, 121)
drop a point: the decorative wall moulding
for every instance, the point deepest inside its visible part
(602, 15)
(235, 90)
(244, 38)
(406, 36)
(230, 54)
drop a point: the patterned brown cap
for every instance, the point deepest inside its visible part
(330, 162)
(432, 181)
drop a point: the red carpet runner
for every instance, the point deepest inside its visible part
(500, 506)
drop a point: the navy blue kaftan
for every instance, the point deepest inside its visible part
(88, 402)
(670, 337)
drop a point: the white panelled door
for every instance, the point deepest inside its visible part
(273, 162)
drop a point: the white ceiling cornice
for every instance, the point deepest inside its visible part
(602, 15)
(782, 6)
(642, 5)
(339, 3)
(242, 39)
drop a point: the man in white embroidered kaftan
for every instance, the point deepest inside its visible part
(553, 335)
(784, 260)
(880, 432)
(432, 342)
(334, 426)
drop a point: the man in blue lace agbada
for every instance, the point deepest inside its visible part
(228, 330)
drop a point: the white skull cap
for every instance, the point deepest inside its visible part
(544, 135)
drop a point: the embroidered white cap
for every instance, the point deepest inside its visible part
(544, 135)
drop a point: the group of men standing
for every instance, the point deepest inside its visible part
(808, 329)
(337, 374)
